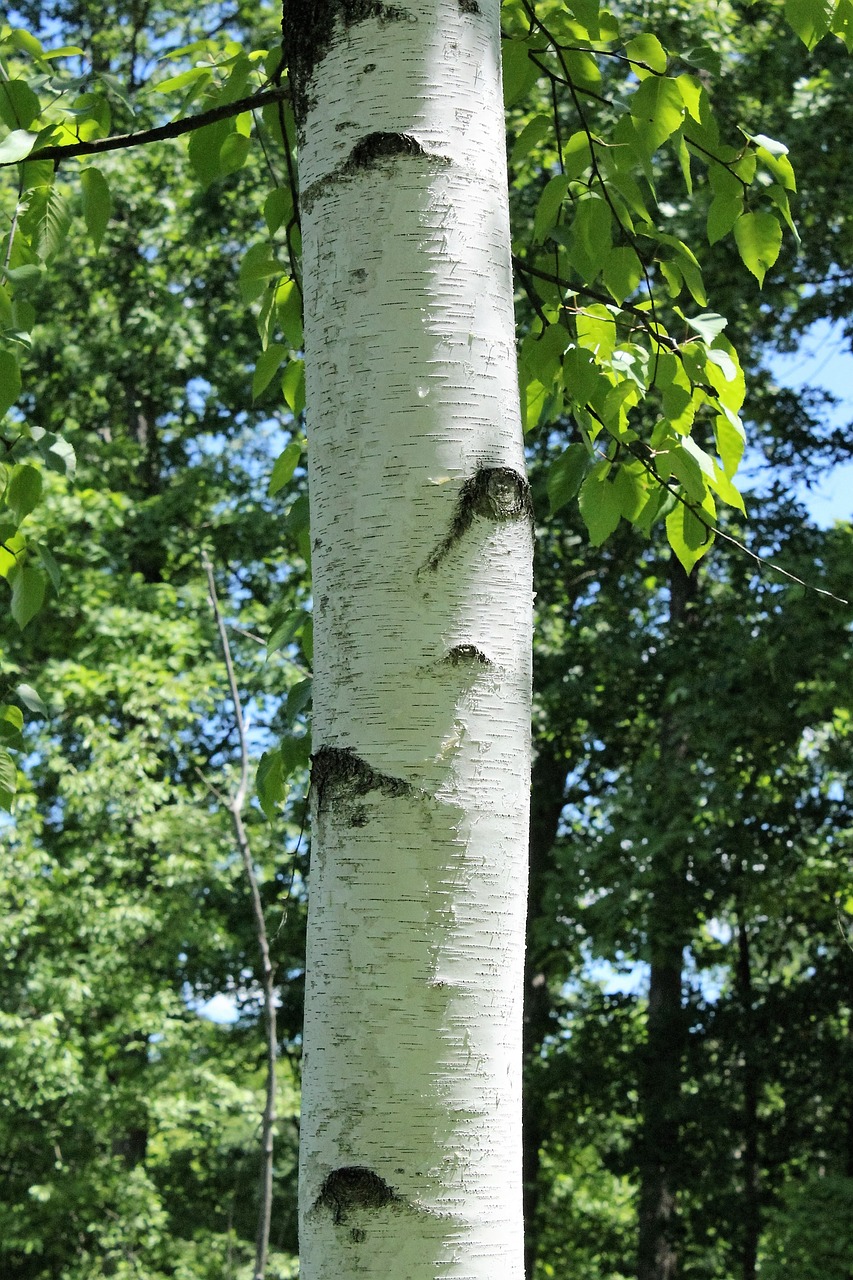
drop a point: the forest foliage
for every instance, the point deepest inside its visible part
(680, 192)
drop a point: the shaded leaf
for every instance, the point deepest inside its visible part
(97, 203)
(28, 588)
(285, 465)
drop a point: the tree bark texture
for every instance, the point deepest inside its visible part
(421, 548)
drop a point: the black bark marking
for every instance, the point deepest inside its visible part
(495, 493)
(309, 26)
(353, 1187)
(339, 772)
(469, 6)
(465, 655)
(367, 152)
(374, 146)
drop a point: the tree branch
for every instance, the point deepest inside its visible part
(175, 128)
(235, 808)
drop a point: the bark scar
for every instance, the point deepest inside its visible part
(366, 153)
(354, 1187)
(498, 494)
(467, 654)
(339, 772)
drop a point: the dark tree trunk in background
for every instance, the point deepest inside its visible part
(668, 934)
(660, 1095)
(548, 786)
(751, 1169)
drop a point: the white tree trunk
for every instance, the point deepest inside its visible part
(422, 548)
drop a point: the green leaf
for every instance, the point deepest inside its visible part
(658, 110)
(723, 213)
(519, 73)
(591, 237)
(288, 306)
(12, 717)
(233, 153)
(687, 536)
(24, 490)
(779, 196)
(759, 238)
(295, 754)
(10, 381)
(31, 700)
(205, 147)
(306, 640)
(691, 93)
(566, 475)
(65, 51)
(810, 19)
(534, 397)
(706, 58)
(192, 76)
(257, 267)
(53, 218)
(298, 698)
(16, 146)
(278, 208)
(19, 106)
(49, 562)
(28, 587)
(726, 490)
(11, 724)
(267, 365)
(648, 49)
(269, 783)
(596, 329)
(842, 23)
(622, 272)
(26, 42)
(599, 503)
(532, 134)
(285, 465)
(583, 68)
(708, 325)
(8, 780)
(285, 631)
(293, 386)
(779, 166)
(730, 439)
(548, 207)
(97, 203)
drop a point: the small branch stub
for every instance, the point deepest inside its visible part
(366, 154)
(463, 655)
(375, 146)
(353, 1187)
(339, 771)
(494, 493)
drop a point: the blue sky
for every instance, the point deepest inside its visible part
(824, 360)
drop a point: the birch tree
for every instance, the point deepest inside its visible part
(421, 546)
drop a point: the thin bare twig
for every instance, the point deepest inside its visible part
(234, 805)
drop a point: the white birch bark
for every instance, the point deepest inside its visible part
(422, 549)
